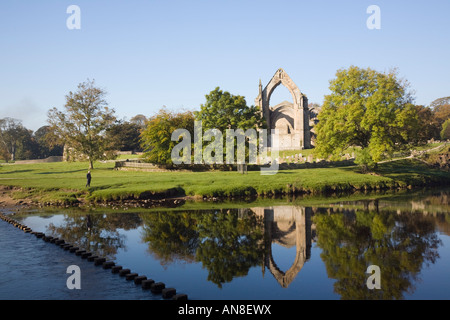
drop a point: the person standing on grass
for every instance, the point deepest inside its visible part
(88, 176)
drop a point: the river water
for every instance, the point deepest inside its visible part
(284, 249)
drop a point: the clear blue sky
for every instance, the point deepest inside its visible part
(147, 54)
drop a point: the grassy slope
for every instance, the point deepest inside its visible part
(66, 181)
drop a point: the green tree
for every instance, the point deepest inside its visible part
(442, 113)
(441, 105)
(84, 121)
(364, 159)
(366, 109)
(125, 136)
(223, 110)
(156, 138)
(10, 137)
(441, 108)
(28, 147)
(47, 145)
(429, 126)
(445, 133)
(16, 141)
(139, 120)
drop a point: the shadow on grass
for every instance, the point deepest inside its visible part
(16, 171)
(404, 170)
(284, 172)
(61, 172)
(407, 166)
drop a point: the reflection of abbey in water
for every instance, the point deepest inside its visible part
(287, 226)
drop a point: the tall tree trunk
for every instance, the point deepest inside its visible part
(91, 164)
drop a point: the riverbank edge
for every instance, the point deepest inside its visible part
(173, 198)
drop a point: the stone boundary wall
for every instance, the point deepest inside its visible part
(47, 160)
(128, 153)
(137, 165)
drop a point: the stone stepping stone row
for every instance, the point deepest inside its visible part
(146, 284)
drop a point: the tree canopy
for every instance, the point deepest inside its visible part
(445, 133)
(366, 109)
(84, 121)
(223, 110)
(139, 120)
(439, 104)
(10, 130)
(125, 136)
(48, 144)
(16, 141)
(156, 137)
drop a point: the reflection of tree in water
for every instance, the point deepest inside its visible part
(171, 236)
(230, 245)
(97, 233)
(398, 244)
(227, 242)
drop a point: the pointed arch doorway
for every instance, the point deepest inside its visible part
(289, 120)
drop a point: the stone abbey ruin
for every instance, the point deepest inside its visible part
(291, 120)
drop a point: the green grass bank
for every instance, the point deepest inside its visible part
(64, 183)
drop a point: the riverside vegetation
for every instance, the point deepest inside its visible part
(64, 183)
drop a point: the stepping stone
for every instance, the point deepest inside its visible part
(80, 252)
(99, 261)
(131, 276)
(146, 284)
(180, 296)
(116, 269)
(157, 287)
(139, 279)
(124, 272)
(108, 264)
(86, 255)
(168, 293)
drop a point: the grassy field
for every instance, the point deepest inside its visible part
(65, 182)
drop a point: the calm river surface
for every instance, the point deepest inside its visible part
(271, 249)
